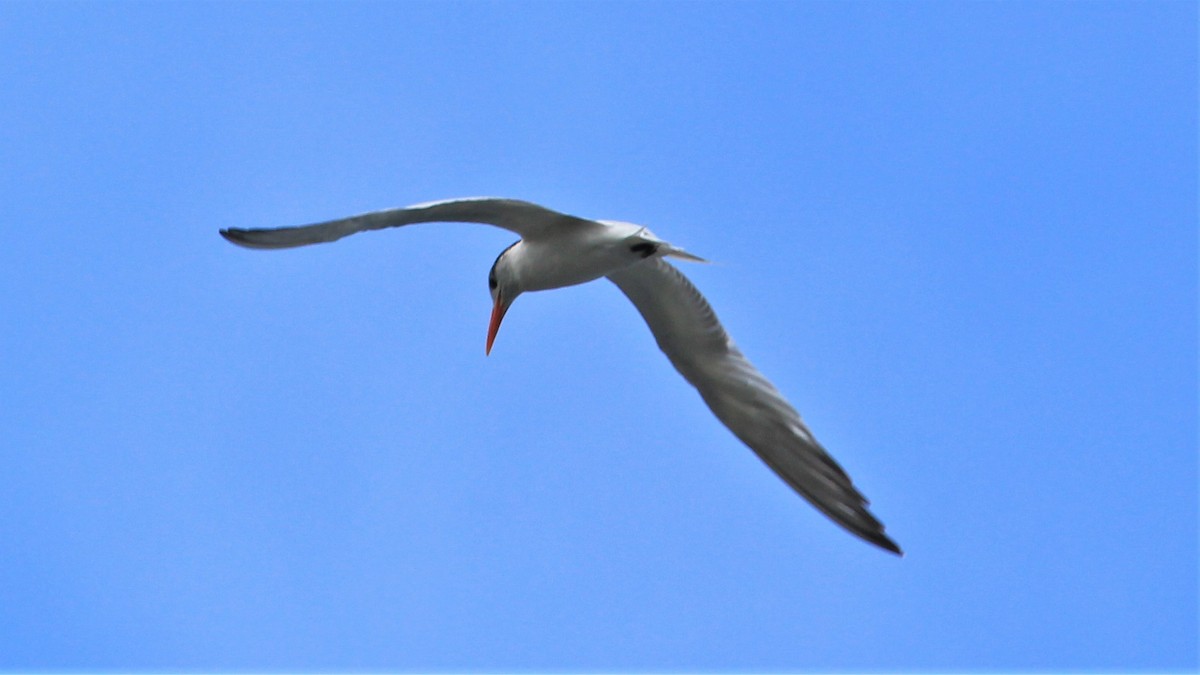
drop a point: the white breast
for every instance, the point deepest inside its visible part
(584, 255)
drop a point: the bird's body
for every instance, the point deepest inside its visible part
(593, 250)
(558, 250)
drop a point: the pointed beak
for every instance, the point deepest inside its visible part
(498, 311)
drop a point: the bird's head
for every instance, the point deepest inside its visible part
(504, 287)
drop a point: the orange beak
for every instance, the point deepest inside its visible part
(498, 311)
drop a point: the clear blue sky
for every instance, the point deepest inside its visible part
(961, 237)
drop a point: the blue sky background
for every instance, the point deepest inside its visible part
(961, 237)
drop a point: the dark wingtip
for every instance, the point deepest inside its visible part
(884, 542)
(235, 236)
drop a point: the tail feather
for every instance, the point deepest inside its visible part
(646, 241)
(672, 252)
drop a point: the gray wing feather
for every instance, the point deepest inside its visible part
(688, 332)
(528, 220)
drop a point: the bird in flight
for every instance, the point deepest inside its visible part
(557, 250)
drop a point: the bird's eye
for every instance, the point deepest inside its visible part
(492, 281)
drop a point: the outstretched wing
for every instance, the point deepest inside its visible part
(525, 218)
(688, 332)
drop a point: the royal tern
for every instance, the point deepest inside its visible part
(557, 250)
